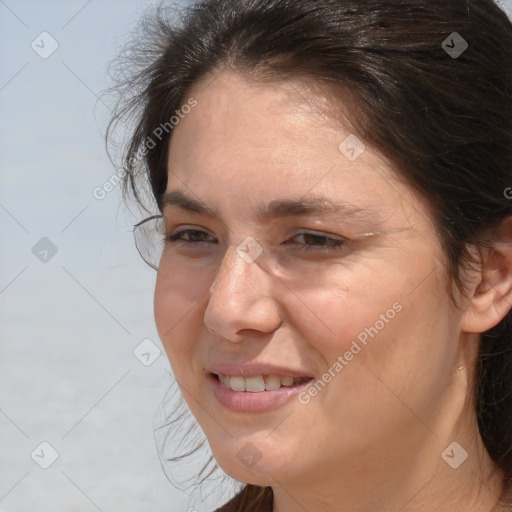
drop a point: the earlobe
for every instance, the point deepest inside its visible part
(491, 298)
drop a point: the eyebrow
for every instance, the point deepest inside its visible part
(278, 208)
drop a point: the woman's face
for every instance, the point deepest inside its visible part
(309, 260)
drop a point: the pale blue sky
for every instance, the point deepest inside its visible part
(69, 326)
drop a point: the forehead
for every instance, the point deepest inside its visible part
(258, 141)
(267, 119)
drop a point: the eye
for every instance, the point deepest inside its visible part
(191, 236)
(316, 241)
(310, 241)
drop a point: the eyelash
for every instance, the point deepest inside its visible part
(330, 243)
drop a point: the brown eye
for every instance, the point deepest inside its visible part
(315, 241)
(190, 236)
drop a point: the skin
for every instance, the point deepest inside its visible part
(372, 439)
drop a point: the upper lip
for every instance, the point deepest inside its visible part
(254, 369)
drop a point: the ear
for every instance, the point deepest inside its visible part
(491, 295)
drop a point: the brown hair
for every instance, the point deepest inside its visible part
(444, 120)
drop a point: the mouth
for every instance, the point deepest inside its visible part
(257, 393)
(259, 383)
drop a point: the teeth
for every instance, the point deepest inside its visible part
(258, 383)
(287, 381)
(254, 384)
(237, 383)
(272, 382)
(224, 379)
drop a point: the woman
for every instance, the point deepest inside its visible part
(335, 285)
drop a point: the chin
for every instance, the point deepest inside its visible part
(253, 461)
(260, 474)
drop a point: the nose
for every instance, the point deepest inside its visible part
(241, 299)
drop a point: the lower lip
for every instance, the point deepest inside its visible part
(246, 401)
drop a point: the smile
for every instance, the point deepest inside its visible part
(257, 393)
(259, 383)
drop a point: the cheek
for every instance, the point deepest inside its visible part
(384, 330)
(351, 305)
(178, 303)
